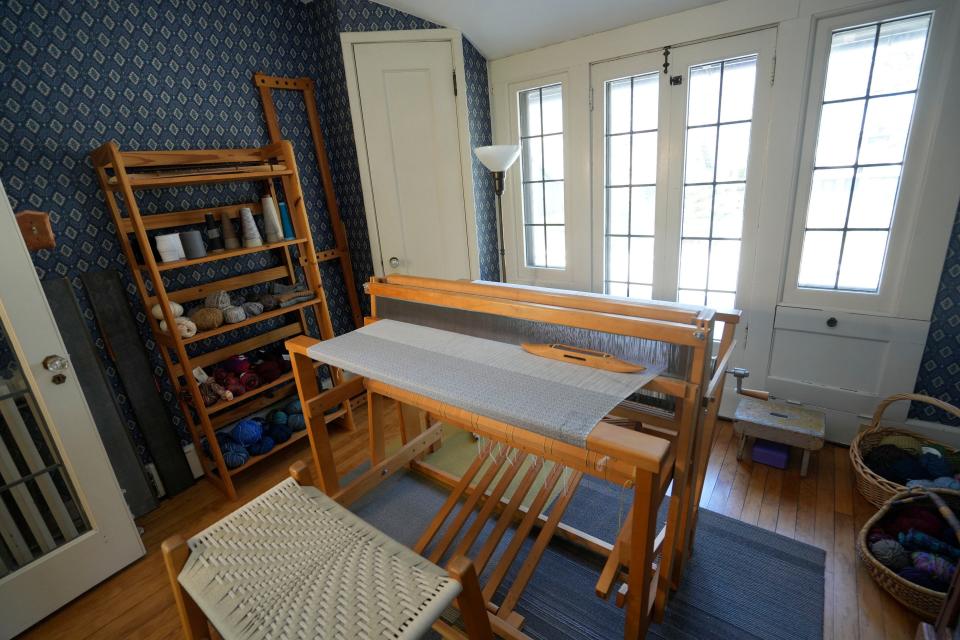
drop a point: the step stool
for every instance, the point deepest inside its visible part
(790, 424)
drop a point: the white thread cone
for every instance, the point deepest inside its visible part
(271, 220)
(251, 235)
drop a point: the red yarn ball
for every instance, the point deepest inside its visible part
(237, 364)
(249, 380)
(916, 518)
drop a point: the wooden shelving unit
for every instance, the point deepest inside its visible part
(123, 174)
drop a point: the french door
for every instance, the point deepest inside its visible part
(64, 525)
(677, 159)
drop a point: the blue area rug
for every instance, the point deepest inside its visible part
(742, 581)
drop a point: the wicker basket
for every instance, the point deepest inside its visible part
(875, 488)
(926, 603)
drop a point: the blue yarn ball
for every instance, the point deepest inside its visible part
(935, 465)
(278, 417)
(294, 406)
(296, 422)
(261, 446)
(280, 433)
(234, 454)
(248, 431)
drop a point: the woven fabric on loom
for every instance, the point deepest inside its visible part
(501, 381)
(295, 564)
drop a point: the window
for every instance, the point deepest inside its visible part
(630, 144)
(872, 78)
(675, 149)
(541, 167)
(719, 113)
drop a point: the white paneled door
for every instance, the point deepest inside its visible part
(411, 146)
(64, 525)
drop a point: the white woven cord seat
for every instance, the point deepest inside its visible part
(293, 563)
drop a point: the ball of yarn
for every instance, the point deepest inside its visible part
(234, 454)
(937, 567)
(914, 540)
(935, 450)
(157, 311)
(902, 441)
(249, 380)
(876, 534)
(218, 300)
(916, 518)
(280, 433)
(269, 371)
(893, 463)
(206, 318)
(252, 308)
(236, 389)
(261, 446)
(946, 482)
(237, 364)
(296, 421)
(294, 406)
(891, 554)
(277, 417)
(269, 302)
(935, 465)
(185, 327)
(247, 431)
(919, 577)
(232, 315)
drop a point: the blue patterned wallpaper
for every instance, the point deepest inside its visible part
(169, 74)
(940, 367)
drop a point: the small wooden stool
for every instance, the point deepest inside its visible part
(294, 563)
(782, 422)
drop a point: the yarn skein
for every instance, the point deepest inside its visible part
(206, 318)
(891, 554)
(261, 446)
(247, 431)
(937, 567)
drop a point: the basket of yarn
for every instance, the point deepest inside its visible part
(911, 547)
(887, 461)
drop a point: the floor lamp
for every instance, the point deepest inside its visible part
(498, 158)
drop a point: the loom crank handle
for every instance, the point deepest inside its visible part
(740, 373)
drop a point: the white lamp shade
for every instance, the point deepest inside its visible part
(498, 157)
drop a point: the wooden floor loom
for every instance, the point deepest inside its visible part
(638, 445)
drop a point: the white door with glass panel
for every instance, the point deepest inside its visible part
(674, 160)
(64, 525)
(838, 342)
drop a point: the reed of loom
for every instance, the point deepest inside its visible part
(122, 175)
(637, 446)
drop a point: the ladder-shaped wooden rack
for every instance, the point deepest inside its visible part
(122, 174)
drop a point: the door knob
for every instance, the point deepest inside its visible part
(394, 262)
(55, 363)
(831, 322)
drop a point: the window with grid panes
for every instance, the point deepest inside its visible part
(541, 170)
(719, 112)
(870, 91)
(630, 146)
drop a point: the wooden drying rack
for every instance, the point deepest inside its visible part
(636, 446)
(265, 84)
(123, 174)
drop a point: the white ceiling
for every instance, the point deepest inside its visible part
(500, 28)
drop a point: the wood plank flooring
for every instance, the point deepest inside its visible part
(822, 509)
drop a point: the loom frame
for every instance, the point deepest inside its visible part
(636, 446)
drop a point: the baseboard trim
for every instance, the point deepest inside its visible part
(946, 434)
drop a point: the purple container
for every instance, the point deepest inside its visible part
(772, 454)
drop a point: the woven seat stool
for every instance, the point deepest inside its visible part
(292, 563)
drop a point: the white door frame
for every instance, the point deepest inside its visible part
(52, 580)
(455, 38)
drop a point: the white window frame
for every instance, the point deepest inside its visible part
(671, 141)
(513, 228)
(900, 267)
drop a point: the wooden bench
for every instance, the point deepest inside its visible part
(778, 421)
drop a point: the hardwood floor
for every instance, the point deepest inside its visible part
(823, 509)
